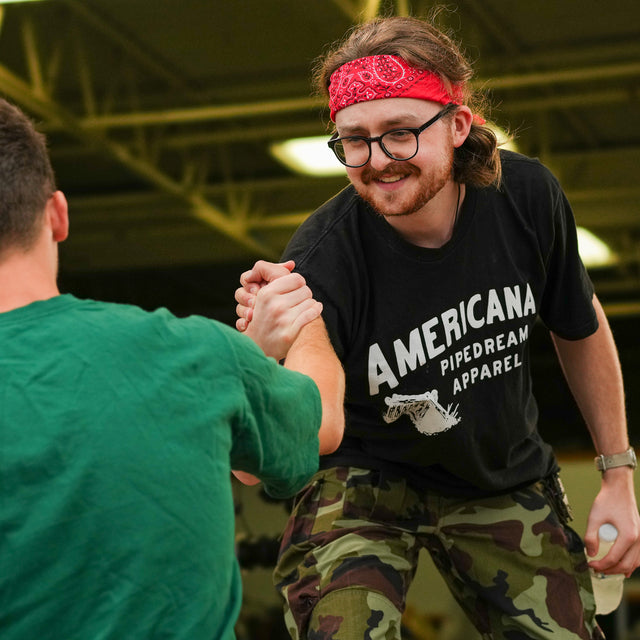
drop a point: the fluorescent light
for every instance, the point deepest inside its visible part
(16, 1)
(309, 156)
(593, 251)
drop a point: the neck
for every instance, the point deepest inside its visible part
(432, 226)
(24, 280)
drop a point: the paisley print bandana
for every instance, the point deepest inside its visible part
(385, 76)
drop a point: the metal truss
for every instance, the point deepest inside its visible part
(55, 79)
(38, 90)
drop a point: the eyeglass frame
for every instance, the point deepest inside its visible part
(448, 108)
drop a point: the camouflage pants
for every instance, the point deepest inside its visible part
(351, 546)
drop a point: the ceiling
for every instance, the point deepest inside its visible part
(160, 114)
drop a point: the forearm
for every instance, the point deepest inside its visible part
(313, 355)
(592, 369)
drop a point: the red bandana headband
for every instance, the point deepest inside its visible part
(386, 76)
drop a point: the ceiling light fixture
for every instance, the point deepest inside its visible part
(309, 156)
(594, 252)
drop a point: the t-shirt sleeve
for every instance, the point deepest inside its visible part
(275, 436)
(566, 306)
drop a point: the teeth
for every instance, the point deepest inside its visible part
(391, 179)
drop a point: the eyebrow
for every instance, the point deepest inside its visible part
(395, 122)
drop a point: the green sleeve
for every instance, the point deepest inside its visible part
(276, 435)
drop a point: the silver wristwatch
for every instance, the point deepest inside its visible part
(624, 459)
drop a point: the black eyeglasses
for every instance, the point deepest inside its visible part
(397, 144)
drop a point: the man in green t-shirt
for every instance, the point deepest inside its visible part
(118, 432)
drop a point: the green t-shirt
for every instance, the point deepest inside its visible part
(118, 431)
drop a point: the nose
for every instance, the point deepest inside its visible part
(379, 159)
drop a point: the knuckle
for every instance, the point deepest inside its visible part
(244, 277)
(264, 296)
(297, 280)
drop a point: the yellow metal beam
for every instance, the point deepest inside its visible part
(45, 107)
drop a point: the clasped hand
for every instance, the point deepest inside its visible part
(274, 305)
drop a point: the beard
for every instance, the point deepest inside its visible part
(410, 199)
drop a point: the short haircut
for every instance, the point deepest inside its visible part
(26, 178)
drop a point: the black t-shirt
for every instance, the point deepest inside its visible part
(434, 342)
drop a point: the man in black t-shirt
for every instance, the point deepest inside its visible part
(432, 267)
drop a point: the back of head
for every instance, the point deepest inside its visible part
(423, 46)
(26, 178)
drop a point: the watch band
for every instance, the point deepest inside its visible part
(625, 459)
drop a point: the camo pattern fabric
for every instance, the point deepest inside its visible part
(351, 546)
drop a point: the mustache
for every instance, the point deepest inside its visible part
(403, 168)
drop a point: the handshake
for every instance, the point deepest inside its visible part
(274, 304)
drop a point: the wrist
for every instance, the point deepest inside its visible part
(618, 483)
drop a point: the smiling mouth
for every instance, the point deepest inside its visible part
(394, 172)
(390, 179)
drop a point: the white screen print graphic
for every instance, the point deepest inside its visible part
(435, 341)
(425, 412)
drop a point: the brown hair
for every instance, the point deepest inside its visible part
(423, 46)
(26, 178)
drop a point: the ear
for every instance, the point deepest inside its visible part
(57, 212)
(461, 123)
